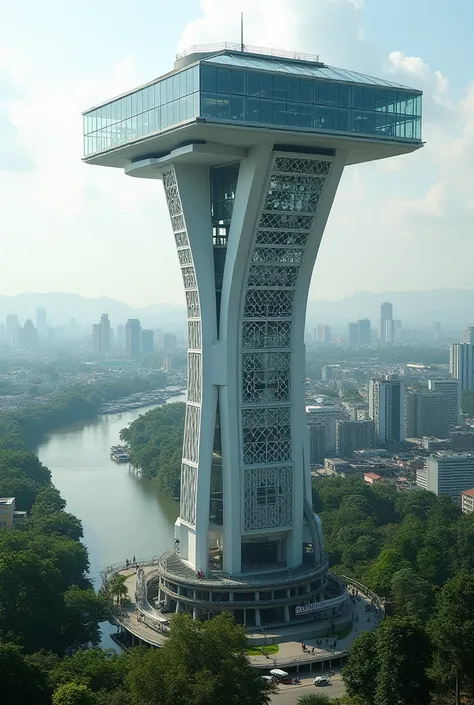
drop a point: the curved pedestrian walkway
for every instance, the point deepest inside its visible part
(145, 625)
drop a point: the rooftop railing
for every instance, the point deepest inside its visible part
(247, 49)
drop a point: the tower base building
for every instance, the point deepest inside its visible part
(250, 146)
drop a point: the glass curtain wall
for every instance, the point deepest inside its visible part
(313, 104)
(150, 109)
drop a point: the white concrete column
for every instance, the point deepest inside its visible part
(287, 613)
(257, 618)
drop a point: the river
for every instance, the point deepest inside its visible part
(123, 515)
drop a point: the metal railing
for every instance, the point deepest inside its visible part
(248, 49)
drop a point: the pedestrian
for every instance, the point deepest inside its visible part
(312, 650)
(134, 560)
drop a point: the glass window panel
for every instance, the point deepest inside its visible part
(418, 106)
(279, 89)
(357, 97)
(208, 78)
(181, 102)
(267, 85)
(254, 83)
(320, 117)
(306, 115)
(380, 100)
(252, 113)
(175, 105)
(266, 111)
(343, 120)
(223, 107)
(369, 98)
(189, 107)
(238, 82)
(237, 108)
(381, 123)
(208, 104)
(163, 92)
(223, 80)
(331, 119)
(344, 95)
(196, 103)
(175, 82)
(140, 102)
(157, 94)
(157, 118)
(145, 99)
(409, 129)
(293, 90)
(190, 74)
(391, 101)
(168, 115)
(368, 122)
(279, 112)
(357, 121)
(134, 104)
(170, 89)
(401, 102)
(332, 94)
(320, 93)
(400, 129)
(139, 127)
(182, 83)
(306, 91)
(417, 128)
(410, 105)
(292, 114)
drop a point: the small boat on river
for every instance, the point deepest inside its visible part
(119, 454)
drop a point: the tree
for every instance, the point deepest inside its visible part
(360, 673)
(201, 663)
(21, 683)
(73, 694)
(403, 656)
(117, 588)
(316, 699)
(381, 573)
(452, 631)
(412, 595)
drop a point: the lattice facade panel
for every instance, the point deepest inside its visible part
(266, 334)
(282, 255)
(192, 425)
(270, 303)
(194, 335)
(266, 435)
(265, 377)
(185, 257)
(194, 377)
(187, 510)
(268, 498)
(282, 237)
(181, 239)
(286, 221)
(296, 165)
(192, 304)
(272, 275)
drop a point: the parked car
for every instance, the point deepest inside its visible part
(322, 680)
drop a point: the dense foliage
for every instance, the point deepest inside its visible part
(155, 440)
(468, 404)
(24, 428)
(415, 549)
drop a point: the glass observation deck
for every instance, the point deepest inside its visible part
(230, 87)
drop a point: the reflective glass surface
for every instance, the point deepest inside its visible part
(150, 109)
(310, 103)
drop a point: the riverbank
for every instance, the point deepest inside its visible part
(141, 400)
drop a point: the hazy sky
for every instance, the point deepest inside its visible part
(406, 223)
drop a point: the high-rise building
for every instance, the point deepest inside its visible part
(167, 362)
(461, 365)
(96, 338)
(326, 415)
(448, 474)
(322, 335)
(363, 326)
(102, 335)
(451, 389)
(468, 336)
(317, 443)
(132, 337)
(353, 334)
(41, 322)
(386, 322)
(120, 337)
(427, 414)
(354, 435)
(12, 324)
(147, 342)
(246, 143)
(437, 330)
(27, 336)
(169, 342)
(387, 410)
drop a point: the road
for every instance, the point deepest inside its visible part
(289, 694)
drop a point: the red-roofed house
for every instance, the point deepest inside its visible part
(371, 478)
(467, 501)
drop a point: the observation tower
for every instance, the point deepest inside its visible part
(250, 145)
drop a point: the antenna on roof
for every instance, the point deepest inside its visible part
(241, 31)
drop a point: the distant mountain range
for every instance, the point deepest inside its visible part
(454, 308)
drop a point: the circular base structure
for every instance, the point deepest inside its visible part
(255, 599)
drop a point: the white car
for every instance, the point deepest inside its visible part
(321, 680)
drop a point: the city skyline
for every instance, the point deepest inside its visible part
(40, 163)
